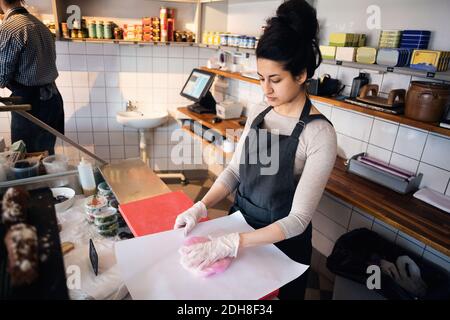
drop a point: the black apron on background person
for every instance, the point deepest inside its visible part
(264, 199)
(46, 105)
(50, 111)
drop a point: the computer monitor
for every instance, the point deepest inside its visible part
(197, 88)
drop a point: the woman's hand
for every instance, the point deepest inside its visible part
(202, 255)
(189, 218)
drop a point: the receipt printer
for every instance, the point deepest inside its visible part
(229, 109)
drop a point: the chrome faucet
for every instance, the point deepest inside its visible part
(133, 108)
(130, 106)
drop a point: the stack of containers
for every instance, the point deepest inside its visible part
(138, 32)
(94, 205)
(389, 38)
(415, 39)
(128, 32)
(147, 29)
(343, 46)
(430, 60)
(106, 222)
(366, 55)
(100, 212)
(156, 29)
(346, 54)
(393, 57)
(328, 52)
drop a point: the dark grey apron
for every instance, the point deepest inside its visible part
(50, 111)
(264, 199)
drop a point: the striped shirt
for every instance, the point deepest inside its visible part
(27, 51)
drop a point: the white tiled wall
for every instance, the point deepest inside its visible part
(96, 80)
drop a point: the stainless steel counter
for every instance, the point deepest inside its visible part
(132, 180)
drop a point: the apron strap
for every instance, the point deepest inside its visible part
(260, 117)
(303, 119)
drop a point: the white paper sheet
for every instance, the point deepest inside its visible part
(151, 269)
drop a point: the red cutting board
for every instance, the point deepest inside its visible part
(155, 214)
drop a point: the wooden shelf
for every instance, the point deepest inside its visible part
(221, 128)
(432, 127)
(231, 75)
(158, 43)
(404, 212)
(59, 8)
(121, 41)
(227, 48)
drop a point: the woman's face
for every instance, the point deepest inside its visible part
(279, 85)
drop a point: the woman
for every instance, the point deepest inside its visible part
(278, 205)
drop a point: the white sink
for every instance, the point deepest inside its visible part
(141, 121)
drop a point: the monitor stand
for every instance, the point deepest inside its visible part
(205, 105)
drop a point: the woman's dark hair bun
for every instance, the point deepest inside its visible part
(290, 38)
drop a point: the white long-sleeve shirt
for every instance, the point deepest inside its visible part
(314, 161)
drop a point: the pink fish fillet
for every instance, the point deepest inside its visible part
(215, 268)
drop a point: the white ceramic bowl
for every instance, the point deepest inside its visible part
(66, 192)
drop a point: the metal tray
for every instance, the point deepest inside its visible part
(383, 178)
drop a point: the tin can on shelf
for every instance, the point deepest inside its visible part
(190, 37)
(100, 30)
(118, 34)
(83, 33)
(92, 29)
(205, 37)
(233, 40)
(65, 30)
(210, 38)
(107, 30)
(170, 28)
(251, 43)
(177, 36)
(64, 27)
(216, 39)
(223, 39)
(74, 33)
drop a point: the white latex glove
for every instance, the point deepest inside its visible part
(410, 277)
(189, 218)
(390, 269)
(202, 255)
